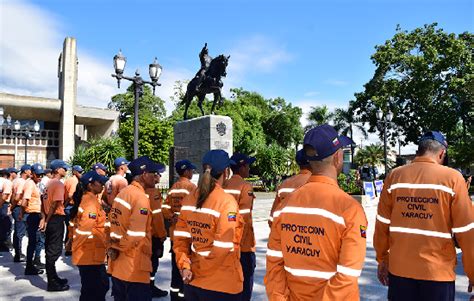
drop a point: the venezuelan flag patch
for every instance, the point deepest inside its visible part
(363, 231)
(232, 216)
(144, 211)
(92, 215)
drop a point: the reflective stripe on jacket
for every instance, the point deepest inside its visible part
(317, 245)
(130, 233)
(207, 241)
(157, 221)
(421, 206)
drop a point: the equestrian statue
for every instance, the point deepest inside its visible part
(207, 80)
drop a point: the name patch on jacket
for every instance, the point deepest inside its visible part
(232, 216)
(363, 231)
(144, 211)
(92, 215)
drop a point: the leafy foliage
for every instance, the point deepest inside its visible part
(104, 150)
(349, 182)
(317, 116)
(425, 77)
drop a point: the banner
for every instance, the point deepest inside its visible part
(378, 186)
(369, 189)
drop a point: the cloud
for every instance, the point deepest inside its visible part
(311, 93)
(335, 82)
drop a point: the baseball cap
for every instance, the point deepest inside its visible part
(77, 168)
(37, 169)
(100, 166)
(25, 167)
(300, 158)
(12, 169)
(92, 176)
(241, 159)
(183, 165)
(218, 159)
(56, 164)
(434, 135)
(120, 161)
(47, 170)
(145, 164)
(325, 140)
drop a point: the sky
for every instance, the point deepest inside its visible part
(311, 53)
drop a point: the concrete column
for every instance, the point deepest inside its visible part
(68, 96)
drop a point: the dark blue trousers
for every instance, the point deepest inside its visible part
(5, 224)
(19, 229)
(130, 291)
(248, 262)
(193, 293)
(94, 281)
(40, 237)
(176, 288)
(32, 223)
(406, 289)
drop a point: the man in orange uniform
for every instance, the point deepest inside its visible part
(53, 207)
(171, 210)
(19, 225)
(292, 183)
(70, 187)
(317, 245)
(31, 204)
(242, 191)
(207, 236)
(118, 181)
(131, 232)
(89, 245)
(421, 207)
(158, 234)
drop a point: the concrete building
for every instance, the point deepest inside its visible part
(62, 123)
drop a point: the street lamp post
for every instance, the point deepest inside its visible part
(27, 133)
(384, 118)
(138, 82)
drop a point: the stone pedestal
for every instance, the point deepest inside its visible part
(194, 137)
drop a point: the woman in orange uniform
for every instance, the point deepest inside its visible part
(89, 239)
(207, 236)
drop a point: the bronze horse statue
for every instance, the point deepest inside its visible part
(205, 83)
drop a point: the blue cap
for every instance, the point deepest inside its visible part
(218, 159)
(434, 135)
(145, 164)
(25, 167)
(300, 158)
(37, 169)
(100, 166)
(12, 169)
(241, 159)
(56, 164)
(47, 170)
(92, 176)
(325, 140)
(183, 165)
(77, 168)
(120, 161)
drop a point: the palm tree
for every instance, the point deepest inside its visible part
(317, 116)
(344, 123)
(371, 155)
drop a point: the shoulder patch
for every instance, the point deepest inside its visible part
(232, 216)
(144, 211)
(363, 231)
(92, 215)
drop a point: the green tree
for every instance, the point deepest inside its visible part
(371, 155)
(425, 77)
(318, 115)
(272, 162)
(104, 150)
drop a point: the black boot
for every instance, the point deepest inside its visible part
(38, 264)
(32, 270)
(56, 286)
(156, 292)
(4, 247)
(61, 280)
(19, 258)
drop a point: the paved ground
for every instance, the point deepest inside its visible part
(15, 286)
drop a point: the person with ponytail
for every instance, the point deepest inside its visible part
(207, 236)
(89, 248)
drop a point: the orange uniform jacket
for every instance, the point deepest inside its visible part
(130, 233)
(422, 204)
(207, 241)
(7, 189)
(89, 239)
(54, 193)
(31, 197)
(316, 248)
(287, 187)
(157, 221)
(17, 192)
(172, 206)
(242, 191)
